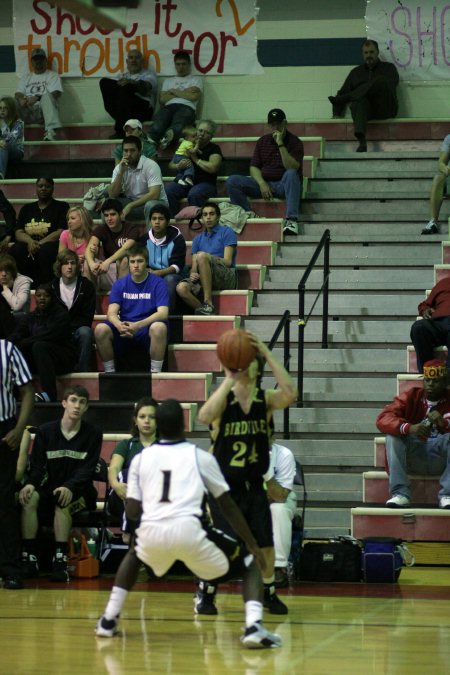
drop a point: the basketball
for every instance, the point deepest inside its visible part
(235, 350)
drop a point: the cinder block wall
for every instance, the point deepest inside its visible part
(301, 91)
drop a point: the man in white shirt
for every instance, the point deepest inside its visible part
(38, 95)
(178, 100)
(167, 485)
(131, 95)
(283, 502)
(137, 182)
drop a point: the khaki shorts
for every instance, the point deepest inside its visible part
(223, 278)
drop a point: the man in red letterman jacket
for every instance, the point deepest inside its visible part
(417, 428)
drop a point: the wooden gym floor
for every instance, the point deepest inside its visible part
(331, 629)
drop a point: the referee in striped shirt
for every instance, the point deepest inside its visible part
(14, 372)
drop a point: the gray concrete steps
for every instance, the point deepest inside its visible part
(322, 523)
(351, 207)
(319, 452)
(348, 390)
(348, 304)
(326, 487)
(332, 420)
(364, 253)
(363, 234)
(382, 149)
(361, 186)
(342, 361)
(343, 331)
(359, 166)
(354, 279)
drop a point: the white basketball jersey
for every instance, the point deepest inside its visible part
(170, 479)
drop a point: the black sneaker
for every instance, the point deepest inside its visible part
(431, 227)
(273, 603)
(106, 628)
(29, 567)
(13, 583)
(60, 571)
(281, 577)
(204, 599)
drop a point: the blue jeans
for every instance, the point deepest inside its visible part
(9, 154)
(289, 188)
(173, 116)
(84, 339)
(407, 454)
(172, 280)
(196, 195)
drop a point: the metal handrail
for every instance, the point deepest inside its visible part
(302, 321)
(285, 325)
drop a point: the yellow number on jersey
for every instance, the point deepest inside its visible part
(240, 456)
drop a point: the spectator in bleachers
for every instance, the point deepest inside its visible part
(143, 434)
(275, 171)
(77, 235)
(433, 330)
(188, 145)
(38, 95)
(131, 94)
(417, 428)
(15, 384)
(205, 158)
(8, 229)
(60, 482)
(134, 128)
(213, 266)
(115, 237)
(137, 182)
(137, 315)
(370, 89)
(39, 227)
(14, 295)
(77, 294)
(439, 188)
(45, 338)
(283, 502)
(166, 248)
(11, 134)
(178, 100)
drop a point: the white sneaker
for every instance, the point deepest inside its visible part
(444, 503)
(49, 135)
(167, 139)
(257, 637)
(398, 501)
(105, 628)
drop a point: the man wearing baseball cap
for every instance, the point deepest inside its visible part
(417, 428)
(38, 94)
(134, 128)
(131, 95)
(275, 171)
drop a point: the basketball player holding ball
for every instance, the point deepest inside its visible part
(238, 415)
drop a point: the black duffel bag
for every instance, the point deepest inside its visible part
(335, 560)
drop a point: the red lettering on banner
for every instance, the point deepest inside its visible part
(61, 17)
(181, 46)
(157, 17)
(197, 47)
(131, 31)
(85, 31)
(169, 7)
(44, 15)
(224, 38)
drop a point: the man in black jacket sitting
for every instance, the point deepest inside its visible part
(77, 294)
(60, 481)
